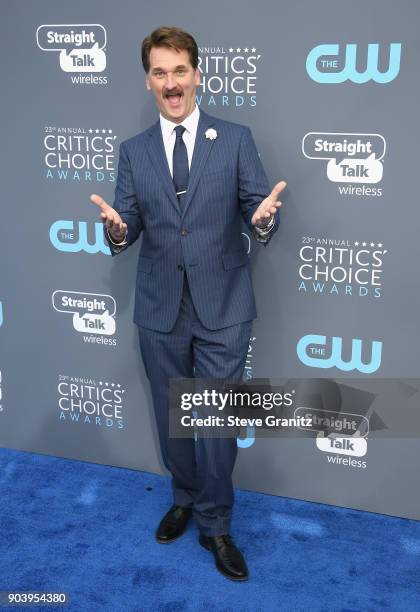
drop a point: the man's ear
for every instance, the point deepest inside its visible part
(147, 83)
(197, 76)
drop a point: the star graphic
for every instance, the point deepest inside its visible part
(109, 131)
(246, 49)
(238, 50)
(372, 244)
(112, 384)
(253, 49)
(364, 243)
(230, 50)
(380, 245)
(96, 131)
(103, 131)
(90, 131)
(356, 244)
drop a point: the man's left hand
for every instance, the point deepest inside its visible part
(268, 207)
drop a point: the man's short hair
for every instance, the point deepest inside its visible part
(171, 38)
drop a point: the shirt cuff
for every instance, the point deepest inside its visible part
(264, 231)
(117, 244)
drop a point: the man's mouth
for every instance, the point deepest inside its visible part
(174, 99)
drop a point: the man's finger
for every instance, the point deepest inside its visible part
(99, 202)
(277, 189)
(273, 206)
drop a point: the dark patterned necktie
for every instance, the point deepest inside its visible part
(180, 165)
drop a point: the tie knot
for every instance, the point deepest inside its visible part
(180, 129)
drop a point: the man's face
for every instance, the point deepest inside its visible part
(173, 82)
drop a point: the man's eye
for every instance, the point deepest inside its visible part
(180, 72)
(158, 74)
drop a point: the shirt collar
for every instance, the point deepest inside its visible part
(190, 123)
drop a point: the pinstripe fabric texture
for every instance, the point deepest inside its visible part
(202, 469)
(226, 181)
(194, 298)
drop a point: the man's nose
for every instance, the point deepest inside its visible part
(170, 80)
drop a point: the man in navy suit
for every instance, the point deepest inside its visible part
(185, 184)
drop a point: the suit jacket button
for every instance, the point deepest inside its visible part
(184, 232)
(180, 268)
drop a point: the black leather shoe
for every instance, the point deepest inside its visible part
(173, 524)
(229, 559)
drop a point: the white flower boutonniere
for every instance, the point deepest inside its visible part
(211, 134)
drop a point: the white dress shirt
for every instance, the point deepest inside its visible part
(169, 135)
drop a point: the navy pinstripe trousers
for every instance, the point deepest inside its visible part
(201, 469)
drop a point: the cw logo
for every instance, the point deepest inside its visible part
(62, 236)
(322, 66)
(311, 350)
(248, 440)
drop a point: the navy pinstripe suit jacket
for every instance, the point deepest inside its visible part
(226, 181)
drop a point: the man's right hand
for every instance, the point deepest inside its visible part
(115, 225)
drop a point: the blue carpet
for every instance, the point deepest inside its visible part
(89, 530)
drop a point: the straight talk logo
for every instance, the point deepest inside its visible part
(344, 446)
(342, 436)
(354, 160)
(81, 49)
(92, 313)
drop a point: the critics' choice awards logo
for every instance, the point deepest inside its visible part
(228, 76)
(79, 154)
(87, 402)
(93, 313)
(74, 237)
(80, 48)
(317, 351)
(341, 267)
(335, 63)
(352, 158)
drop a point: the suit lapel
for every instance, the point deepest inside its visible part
(157, 155)
(202, 148)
